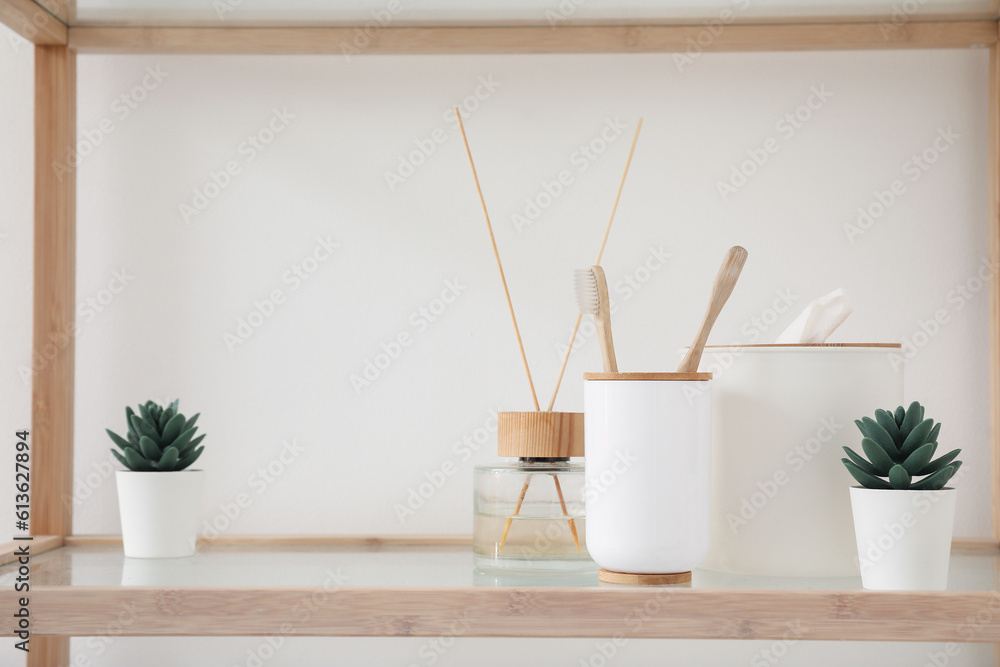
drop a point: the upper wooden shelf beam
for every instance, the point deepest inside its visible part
(522, 39)
(32, 22)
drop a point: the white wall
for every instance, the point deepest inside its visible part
(190, 282)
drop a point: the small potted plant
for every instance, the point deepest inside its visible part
(159, 498)
(903, 513)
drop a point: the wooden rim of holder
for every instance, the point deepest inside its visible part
(680, 377)
(612, 577)
(540, 434)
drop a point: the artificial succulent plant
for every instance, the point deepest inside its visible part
(900, 447)
(159, 439)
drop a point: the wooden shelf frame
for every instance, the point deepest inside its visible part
(599, 610)
(857, 615)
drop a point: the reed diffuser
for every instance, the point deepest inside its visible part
(529, 512)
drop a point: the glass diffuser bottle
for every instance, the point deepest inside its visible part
(529, 510)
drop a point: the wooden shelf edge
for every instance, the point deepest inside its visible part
(969, 543)
(663, 612)
(32, 22)
(296, 540)
(38, 544)
(533, 39)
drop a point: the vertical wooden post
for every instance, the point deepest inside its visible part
(54, 311)
(994, 254)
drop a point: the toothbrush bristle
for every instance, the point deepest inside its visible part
(587, 298)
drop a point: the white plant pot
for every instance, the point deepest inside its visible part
(159, 512)
(903, 537)
(647, 471)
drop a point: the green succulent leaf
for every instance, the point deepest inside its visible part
(169, 459)
(885, 420)
(917, 437)
(149, 449)
(189, 458)
(933, 435)
(120, 458)
(193, 443)
(159, 438)
(935, 481)
(861, 462)
(172, 429)
(183, 440)
(899, 415)
(861, 427)
(163, 418)
(898, 477)
(864, 479)
(918, 460)
(911, 419)
(145, 429)
(144, 411)
(940, 462)
(877, 456)
(881, 436)
(117, 439)
(135, 461)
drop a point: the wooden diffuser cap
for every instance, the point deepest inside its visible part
(540, 434)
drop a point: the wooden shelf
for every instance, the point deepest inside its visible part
(424, 587)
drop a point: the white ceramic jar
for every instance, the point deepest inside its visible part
(781, 416)
(647, 473)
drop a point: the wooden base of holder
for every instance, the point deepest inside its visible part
(611, 577)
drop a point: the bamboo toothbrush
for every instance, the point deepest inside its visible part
(592, 298)
(723, 286)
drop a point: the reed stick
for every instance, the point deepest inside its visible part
(496, 254)
(572, 523)
(600, 254)
(517, 510)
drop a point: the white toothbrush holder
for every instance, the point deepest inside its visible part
(647, 474)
